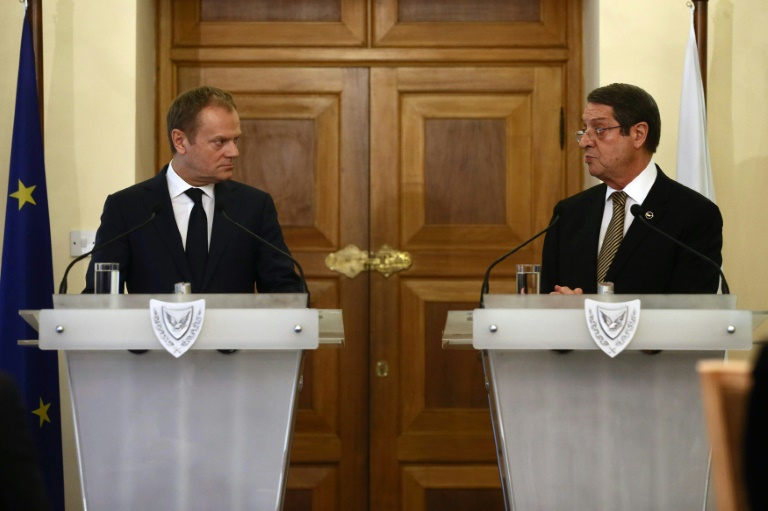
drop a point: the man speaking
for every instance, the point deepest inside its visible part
(596, 237)
(188, 238)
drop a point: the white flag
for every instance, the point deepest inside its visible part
(693, 166)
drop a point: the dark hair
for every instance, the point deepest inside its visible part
(631, 105)
(182, 114)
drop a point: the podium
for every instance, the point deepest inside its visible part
(208, 430)
(577, 429)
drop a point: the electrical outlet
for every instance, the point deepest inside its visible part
(81, 242)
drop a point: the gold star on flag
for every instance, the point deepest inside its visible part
(42, 412)
(24, 194)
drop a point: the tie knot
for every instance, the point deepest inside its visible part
(196, 194)
(619, 198)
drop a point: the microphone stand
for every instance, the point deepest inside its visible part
(486, 286)
(273, 247)
(637, 211)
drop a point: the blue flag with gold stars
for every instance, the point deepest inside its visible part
(26, 276)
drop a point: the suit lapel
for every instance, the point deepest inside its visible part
(591, 234)
(222, 229)
(165, 224)
(656, 202)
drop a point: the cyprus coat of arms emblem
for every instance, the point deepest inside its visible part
(177, 325)
(612, 325)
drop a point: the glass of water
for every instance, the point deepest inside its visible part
(106, 278)
(528, 279)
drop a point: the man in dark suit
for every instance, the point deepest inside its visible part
(621, 130)
(21, 481)
(192, 193)
(755, 447)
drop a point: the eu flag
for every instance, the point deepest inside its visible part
(26, 276)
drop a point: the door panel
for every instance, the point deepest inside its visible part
(432, 127)
(267, 22)
(469, 23)
(487, 166)
(479, 151)
(428, 201)
(452, 488)
(293, 121)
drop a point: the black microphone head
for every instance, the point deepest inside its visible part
(157, 207)
(635, 209)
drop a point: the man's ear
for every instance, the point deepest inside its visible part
(639, 133)
(179, 139)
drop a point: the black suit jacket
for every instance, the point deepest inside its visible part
(755, 447)
(646, 262)
(152, 259)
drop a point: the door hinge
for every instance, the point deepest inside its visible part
(562, 129)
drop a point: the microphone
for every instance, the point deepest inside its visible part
(637, 211)
(222, 209)
(63, 286)
(486, 286)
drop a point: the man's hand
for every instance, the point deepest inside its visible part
(565, 290)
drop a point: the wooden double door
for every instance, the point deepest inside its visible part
(391, 125)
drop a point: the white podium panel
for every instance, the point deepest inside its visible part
(205, 431)
(582, 431)
(576, 429)
(208, 430)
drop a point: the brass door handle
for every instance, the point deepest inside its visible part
(351, 261)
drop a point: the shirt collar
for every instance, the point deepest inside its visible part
(638, 189)
(177, 186)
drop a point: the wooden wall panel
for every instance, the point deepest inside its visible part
(239, 26)
(456, 488)
(514, 153)
(462, 11)
(281, 158)
(468, 23)
(466, 156)
(311, 489)
(270, 10)
(296, 156)
(453, 378)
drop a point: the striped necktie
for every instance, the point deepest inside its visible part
(613, 235)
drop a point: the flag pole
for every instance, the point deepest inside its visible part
(35, 9)
(700, 29)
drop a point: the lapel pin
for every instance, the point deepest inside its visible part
(648, 215)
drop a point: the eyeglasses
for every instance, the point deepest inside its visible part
(598, 133)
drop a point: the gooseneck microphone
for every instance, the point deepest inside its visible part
(486, 286)
(222, 209)
(63, 286)
(637, 212)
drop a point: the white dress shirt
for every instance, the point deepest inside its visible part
(182, 203)
(636, 192)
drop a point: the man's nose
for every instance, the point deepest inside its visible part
(232, 151)
(586, 142)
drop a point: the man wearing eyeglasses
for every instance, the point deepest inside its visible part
(597, 239)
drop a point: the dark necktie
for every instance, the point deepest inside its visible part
(613, 235)
(197, 239)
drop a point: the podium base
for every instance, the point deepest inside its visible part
(205, 431)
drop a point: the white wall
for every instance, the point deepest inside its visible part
(643, 43)
(90, 112)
